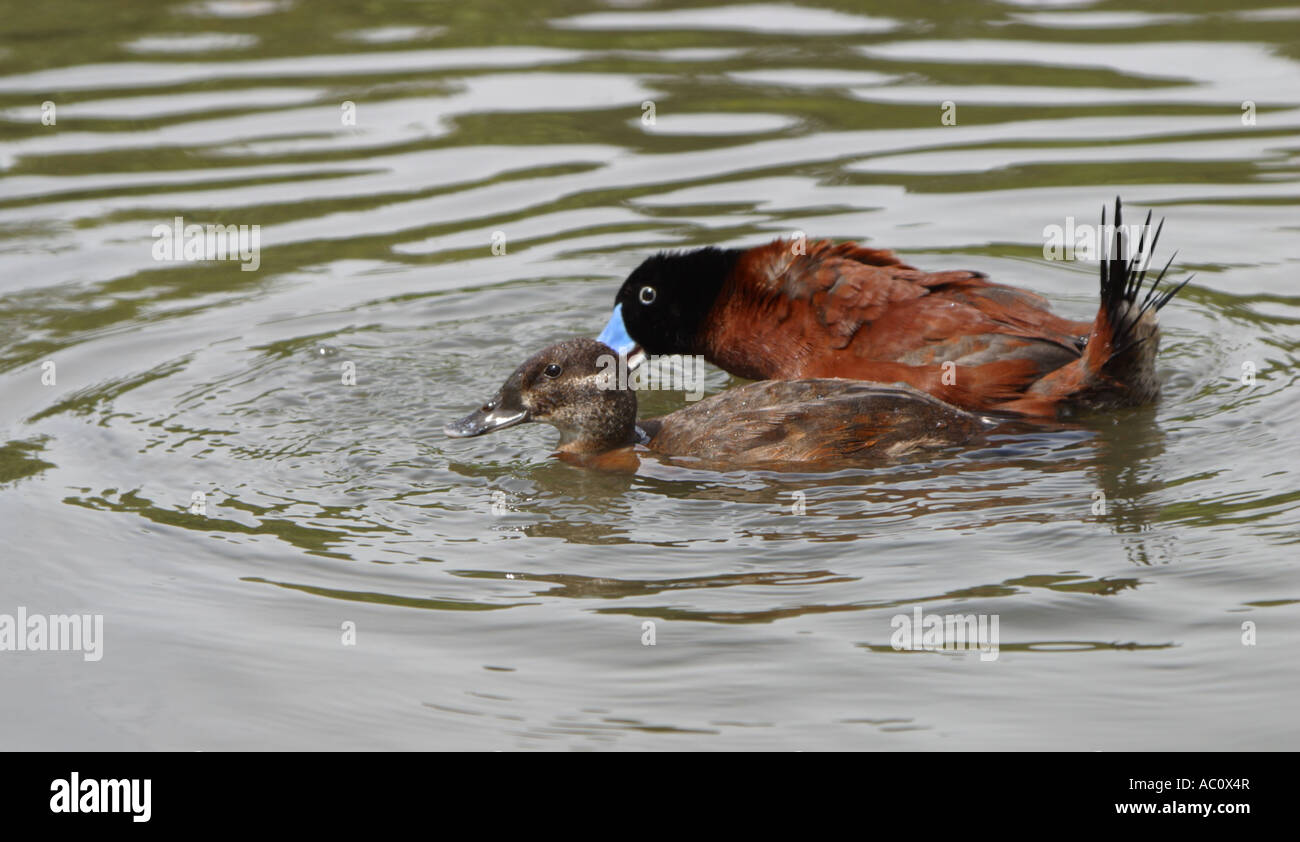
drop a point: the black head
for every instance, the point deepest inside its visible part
(573, 386)
(665, 301)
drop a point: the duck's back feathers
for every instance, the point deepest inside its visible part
(848, 311)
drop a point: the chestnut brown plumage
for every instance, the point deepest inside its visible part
(787, 311)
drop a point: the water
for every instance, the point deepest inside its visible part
(326, 504)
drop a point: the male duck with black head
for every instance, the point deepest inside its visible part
(787, 310)
(780, 423)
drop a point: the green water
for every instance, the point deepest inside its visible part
(498, 597)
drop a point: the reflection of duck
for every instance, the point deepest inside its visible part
(781, 312)
(570, 386)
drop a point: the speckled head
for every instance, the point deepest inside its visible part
(573, 386)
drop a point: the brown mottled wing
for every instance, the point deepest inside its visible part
(814, 313)
(811, 421)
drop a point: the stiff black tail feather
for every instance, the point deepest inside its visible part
(1122, 281)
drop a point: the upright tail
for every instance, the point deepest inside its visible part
(1121, 350)
(1117, 365)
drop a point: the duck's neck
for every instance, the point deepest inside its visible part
(584, 442)
(601, 425)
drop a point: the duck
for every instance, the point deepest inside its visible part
(574, 386)
(791, 310)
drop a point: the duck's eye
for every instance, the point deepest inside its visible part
(552, 370)
(648, 295)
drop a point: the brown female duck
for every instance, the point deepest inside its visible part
(573, 386)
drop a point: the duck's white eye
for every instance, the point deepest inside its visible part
(648, 295)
